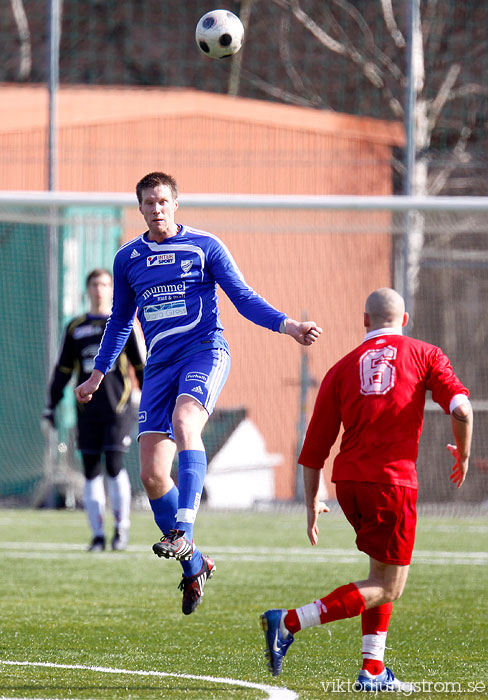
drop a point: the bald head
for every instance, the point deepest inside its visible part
(384, 308)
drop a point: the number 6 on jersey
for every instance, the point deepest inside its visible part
(377, 370)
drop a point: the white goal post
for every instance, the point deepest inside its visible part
(256, 201)
(308, 255)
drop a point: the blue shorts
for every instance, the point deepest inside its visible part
(201, 376)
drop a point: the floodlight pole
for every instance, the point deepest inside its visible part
(52, 265)
(410, 149)
(306, 382)
(410, 102)
(52, 247)
(236, 64)
(53, 81)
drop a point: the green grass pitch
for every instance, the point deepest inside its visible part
(63, 606)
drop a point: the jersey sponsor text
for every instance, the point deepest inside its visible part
(155, 312)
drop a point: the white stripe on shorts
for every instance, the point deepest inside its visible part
(216, 379)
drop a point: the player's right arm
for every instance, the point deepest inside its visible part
(84, 392)
(449, 392)
(60, 377)
(117, 330)
(462, 430)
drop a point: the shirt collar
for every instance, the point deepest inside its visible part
(154, 245)
(382, 331)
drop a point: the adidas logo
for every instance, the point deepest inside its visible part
(197, 390)
(134, 254)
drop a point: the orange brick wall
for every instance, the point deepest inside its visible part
(108, 139)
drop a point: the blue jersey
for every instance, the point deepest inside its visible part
(173, 286)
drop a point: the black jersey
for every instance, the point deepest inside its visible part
(79, 348)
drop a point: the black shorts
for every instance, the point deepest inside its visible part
(112, 434)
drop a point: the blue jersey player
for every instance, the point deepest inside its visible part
(170, 275)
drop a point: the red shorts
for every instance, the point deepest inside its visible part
(384, 517)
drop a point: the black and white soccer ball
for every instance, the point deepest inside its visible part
(219, 34)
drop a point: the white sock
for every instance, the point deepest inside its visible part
(94, 503)
(120, 494)
(373, 646)
(308, 615)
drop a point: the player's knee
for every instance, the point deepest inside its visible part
(188, 420)
(113, 462)
(149, 480)
(92, 465)
(152, 485)
(392, 593)
(184, 429)
(179, 427)
(156, 484)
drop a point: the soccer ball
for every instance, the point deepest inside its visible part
(219, 34)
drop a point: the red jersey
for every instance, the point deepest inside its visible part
(377, 392)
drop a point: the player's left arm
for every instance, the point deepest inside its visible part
(311, 482)
(322, 433)
(304, 332)
(249, 303)
(324, 425)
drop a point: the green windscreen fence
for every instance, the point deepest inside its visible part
(23, 350)
(321, 262)
(84, 239)
(88, 239)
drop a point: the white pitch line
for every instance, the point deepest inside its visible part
(272, 692)
(52, 550)
(259, 560)
(240, 551)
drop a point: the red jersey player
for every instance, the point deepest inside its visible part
(377, 392)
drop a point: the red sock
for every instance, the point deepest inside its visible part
(375, 621)
(373, 666)
(292, 623)
(345, 601)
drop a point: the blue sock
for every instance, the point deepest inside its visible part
(192, 468)
(194, 566)
(164, 509)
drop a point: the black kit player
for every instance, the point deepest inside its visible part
(104, 425)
